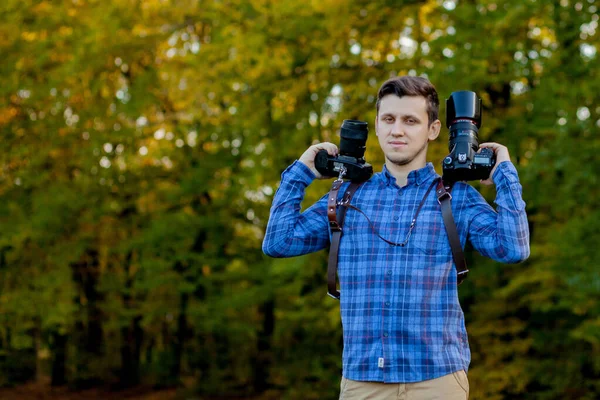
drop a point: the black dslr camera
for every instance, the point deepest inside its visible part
(463, 118)
(350, 163)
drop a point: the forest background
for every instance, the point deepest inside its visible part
(142, 143)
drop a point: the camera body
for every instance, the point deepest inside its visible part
(463, 119)
(350, 163)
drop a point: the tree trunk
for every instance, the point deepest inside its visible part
(58, 348)
(180, 336)
(264, 344)
(131, 336)
(37, 340)
(88, 335)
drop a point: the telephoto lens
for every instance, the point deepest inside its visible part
(353, 142)
(463, 119)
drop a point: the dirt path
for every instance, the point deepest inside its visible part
(40, 391)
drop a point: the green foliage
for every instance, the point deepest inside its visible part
(143, 142)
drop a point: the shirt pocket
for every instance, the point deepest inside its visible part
(430, 235)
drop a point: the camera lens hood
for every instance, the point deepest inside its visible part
(463, 104)
(352, 129)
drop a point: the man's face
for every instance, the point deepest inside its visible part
(403, 129)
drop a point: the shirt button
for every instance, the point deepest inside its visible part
(387, 303)
(385, 334)
(396, 218)
(389, 272)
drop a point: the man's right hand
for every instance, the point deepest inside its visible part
(308, 158)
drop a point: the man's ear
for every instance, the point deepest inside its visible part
(434, 130)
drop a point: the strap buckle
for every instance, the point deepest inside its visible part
(335, 227)
(461, 276)
(343, 171)
(443, 197)
(334, 296)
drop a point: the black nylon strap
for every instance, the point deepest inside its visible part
(332, 266)
(336, 235)
(444, 197)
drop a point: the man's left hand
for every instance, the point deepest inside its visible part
(501, 153)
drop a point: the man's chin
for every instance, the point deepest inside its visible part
(398, 160)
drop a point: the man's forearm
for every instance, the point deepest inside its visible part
(503, 234)
(289, 232)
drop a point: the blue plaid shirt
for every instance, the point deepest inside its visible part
(401, 318)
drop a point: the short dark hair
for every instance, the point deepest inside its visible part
(412, 86)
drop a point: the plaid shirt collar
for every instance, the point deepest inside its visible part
(415, 177)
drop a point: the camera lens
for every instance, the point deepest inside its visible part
(463, 104)
(463, 118)
(353, 138)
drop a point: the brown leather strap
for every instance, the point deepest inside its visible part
(444, 197)
(336, 221)
(332, 205)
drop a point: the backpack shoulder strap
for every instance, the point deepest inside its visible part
(336, 221)
(443, 194)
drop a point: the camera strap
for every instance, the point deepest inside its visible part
(336, 217)
(444, 197)
(336, 221)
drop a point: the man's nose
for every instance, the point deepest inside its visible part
(398, 129)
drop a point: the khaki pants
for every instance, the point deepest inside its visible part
(453, 386)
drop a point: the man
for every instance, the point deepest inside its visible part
(404, 330)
